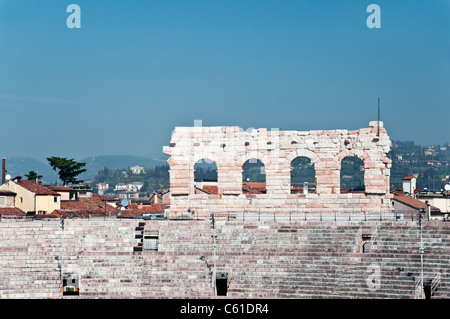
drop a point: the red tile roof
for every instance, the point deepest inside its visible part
(60, 213)
(147, 209)
(37, 188)
(42, 216)
(198, 190)
(254, 187)
(83, 205)
(412, 202)
(104, 198)
(62, 189)
(408, 178)
(211, 189)
(208, 189)
(5, 192)
(135, 210)
(96, 205)
(12, 211)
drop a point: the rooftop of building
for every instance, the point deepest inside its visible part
(62, 188)
(11, 211)
(413, 202)
(5, 192)
(37, 188)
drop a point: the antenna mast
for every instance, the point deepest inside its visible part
(378, 122)
(3, 170)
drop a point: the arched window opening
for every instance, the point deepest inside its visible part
(253, 177)
(352, 175)
(205, 177)
(303, 176)
(366, 242)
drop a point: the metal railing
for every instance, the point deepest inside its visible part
(435, 283)
(7, 218)
(374, 234)
(358, 240)
(252, 216)
(418, 291)
(317, 216)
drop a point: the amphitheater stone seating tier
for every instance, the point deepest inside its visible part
(259, 259)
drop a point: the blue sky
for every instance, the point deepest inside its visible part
(136, 69)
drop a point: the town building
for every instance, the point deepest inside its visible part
(440, 200)
(87, 207)
(137, 169)
(407, 207)
(32, 197)
(7, 204)
(67, 193)
(102, 188)
(134, 186)
(120, 187)
(409, 184)
(160, 196)
(128, 194)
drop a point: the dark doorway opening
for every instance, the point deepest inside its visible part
(222, 284)
(366, 244)
(427, 289)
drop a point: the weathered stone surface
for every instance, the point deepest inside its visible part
(263, 258)
(231, 147)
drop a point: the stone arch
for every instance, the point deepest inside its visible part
(302, 175)
(261, 156)
(195, 157)
(253, 177)
(352, 175)
(362, 155)
(356, 153)
(205, 176)
(301, 152)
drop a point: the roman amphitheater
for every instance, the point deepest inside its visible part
(228, 244)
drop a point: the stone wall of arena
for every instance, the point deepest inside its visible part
(255, 259)
(230, 148)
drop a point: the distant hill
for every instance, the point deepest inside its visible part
(429, 163)
(19, 166)
(96, 163)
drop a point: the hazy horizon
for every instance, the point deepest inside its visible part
(134, 71)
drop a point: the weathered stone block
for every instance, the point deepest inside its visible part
(231, 147)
